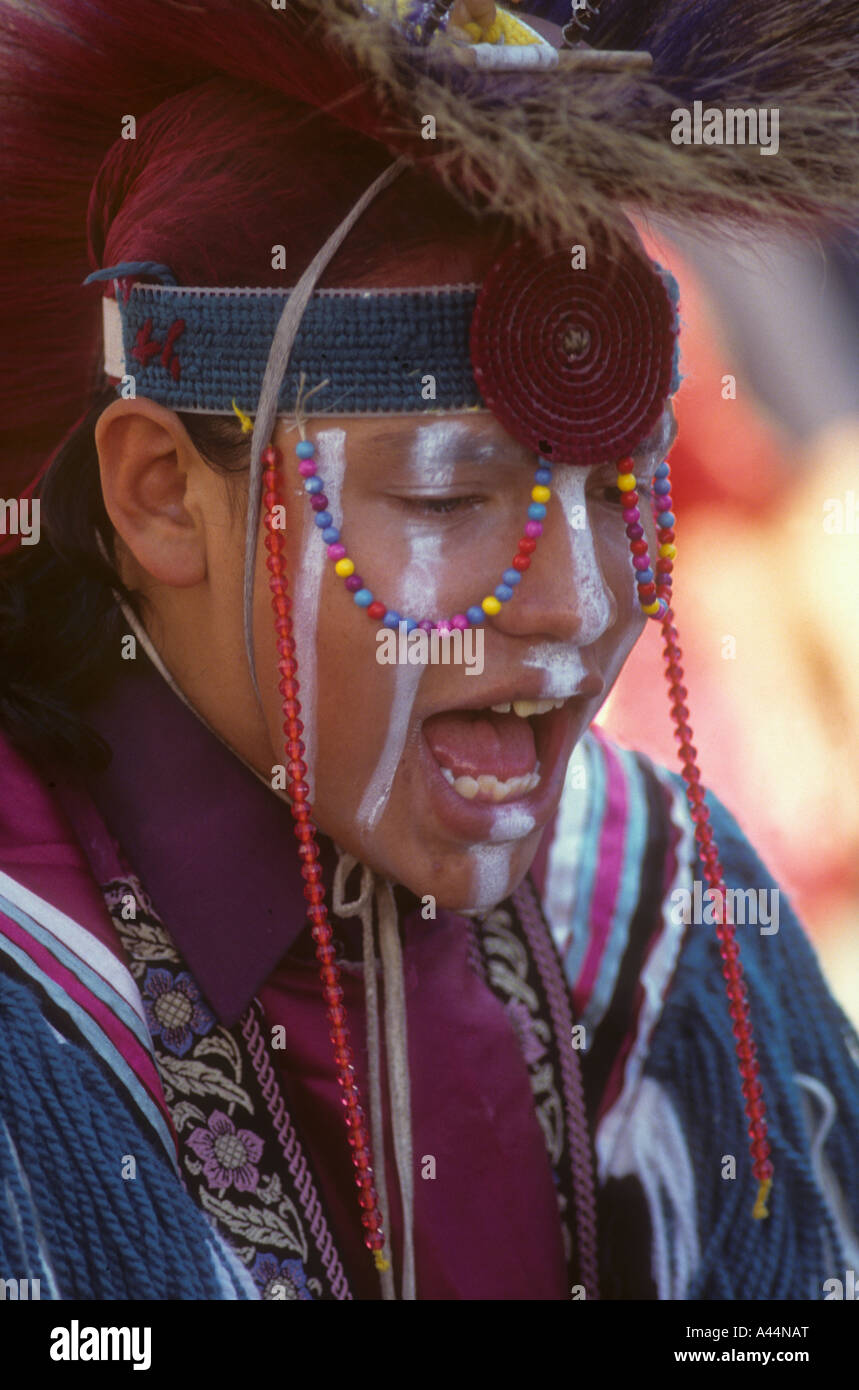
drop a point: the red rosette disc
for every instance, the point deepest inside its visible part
(576, 364)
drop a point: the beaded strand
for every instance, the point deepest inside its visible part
(311, 870)
(654, 596)
(344, 566)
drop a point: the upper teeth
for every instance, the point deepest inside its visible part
(525, 708)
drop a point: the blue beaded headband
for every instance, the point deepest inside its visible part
(379, 351)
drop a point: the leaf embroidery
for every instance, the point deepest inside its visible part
(221, 1044)
(193, 1078)
(260, 1226)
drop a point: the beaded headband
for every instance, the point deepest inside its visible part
(576, 364)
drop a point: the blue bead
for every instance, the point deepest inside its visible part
(536, 511)
(512, 578)
(644, 576)
(323, 520)
(363, 598)
(662, 471)
(543, 476)
(475, 615)
(305, 449)
(391, 619)
(313, 484)
(411, 624)
(662, 485)
(331, 535)
(665, 519)
(503, 593)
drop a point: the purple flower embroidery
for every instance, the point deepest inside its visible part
(174, 1010)
(280, 1280)
(229, 1155)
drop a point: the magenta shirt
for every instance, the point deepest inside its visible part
(215, 851)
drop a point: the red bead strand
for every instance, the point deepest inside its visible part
(729, 950)
(314, 892)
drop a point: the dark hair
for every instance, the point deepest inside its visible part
(61, 625)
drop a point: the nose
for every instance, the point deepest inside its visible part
(564, 595)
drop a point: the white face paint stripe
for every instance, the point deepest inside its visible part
(562, 669)
(490, 880)
(591, 590)
(331, 452)
(378, 789)
(414, 596)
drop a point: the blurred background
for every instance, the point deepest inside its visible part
(766, 484)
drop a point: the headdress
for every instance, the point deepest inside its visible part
(576, 363)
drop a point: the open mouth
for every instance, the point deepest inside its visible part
(496, 773)
(492, 755)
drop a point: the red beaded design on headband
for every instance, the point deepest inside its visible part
(576, 364)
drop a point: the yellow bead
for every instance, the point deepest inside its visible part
(474, 32)
(650, 608)
(667, 552)
(491, 606)
(540, 493)
(626, 482)
(493, 33)
(344, 567)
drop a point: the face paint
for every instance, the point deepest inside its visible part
(511, 823)
(562, 669)
(431, 460)
(491, 875)
(378, 790)
(331, 449)
(431, 465)
(591, 591)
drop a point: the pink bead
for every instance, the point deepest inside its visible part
(533, 528)
(443, 625)
(337, 552)
(631, 515)
(635, 532)
(642, 562)
(307, 468)
(459, 621)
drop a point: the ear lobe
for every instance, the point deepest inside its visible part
(152, 489)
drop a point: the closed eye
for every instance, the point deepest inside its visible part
(440, 506)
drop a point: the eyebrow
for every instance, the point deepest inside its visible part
(470, 448)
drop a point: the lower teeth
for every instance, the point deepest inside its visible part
(489, 788)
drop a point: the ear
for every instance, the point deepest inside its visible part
(158, 492)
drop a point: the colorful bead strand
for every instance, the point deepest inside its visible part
(311, 870)
(654, 594)
(344, 566)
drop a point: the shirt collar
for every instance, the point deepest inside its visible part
(213, 847)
